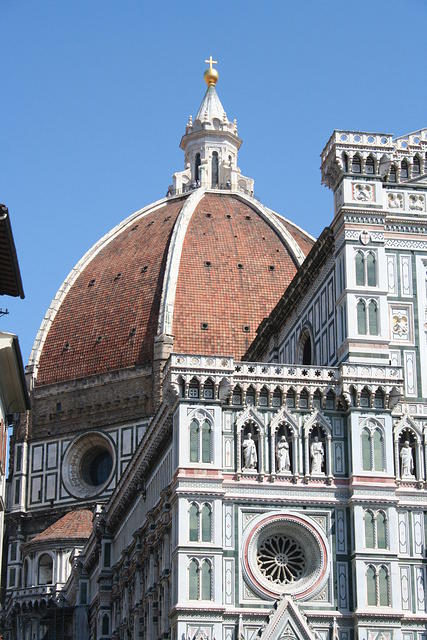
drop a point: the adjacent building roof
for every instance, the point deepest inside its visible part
(10, 276)
(74, 525)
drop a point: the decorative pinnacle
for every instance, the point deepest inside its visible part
(211, 75)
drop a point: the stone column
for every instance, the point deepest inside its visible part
(396, 457)
(306, 455)
(273, 451)
(329, 456)
(295, 454)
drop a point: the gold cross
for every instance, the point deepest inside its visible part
(210, 62)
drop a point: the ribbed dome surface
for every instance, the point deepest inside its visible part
(233, 268)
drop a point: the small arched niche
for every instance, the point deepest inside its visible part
(305, 350)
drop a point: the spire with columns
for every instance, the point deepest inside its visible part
(211, 144)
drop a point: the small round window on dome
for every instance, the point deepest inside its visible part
(91, 282)
(204, 326)
(239, 265)
(246, 328)
(271, 267)
(207, 263)
(144, 268)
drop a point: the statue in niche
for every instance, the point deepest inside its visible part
(317, 455)
(407, 461)
(250, 457)
(282, 455)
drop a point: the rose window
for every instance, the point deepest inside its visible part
(285, 552)
(281, 559)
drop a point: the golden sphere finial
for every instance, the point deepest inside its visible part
(211, 75)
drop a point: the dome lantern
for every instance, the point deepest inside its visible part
(211, 146)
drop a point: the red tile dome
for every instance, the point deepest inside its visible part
(205, 268)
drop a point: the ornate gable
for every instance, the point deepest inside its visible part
(287, 623)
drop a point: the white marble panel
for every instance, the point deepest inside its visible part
(228, 590)
(338, 429)
(342, 585)
(341, 531)
(403, 533)
(339, 461)
(410, 373)
(406, 275)
(228, 526)
(418, 532)
(392, 273)
(405, 587)
(420, 589)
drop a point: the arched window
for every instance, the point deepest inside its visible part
(361, 317)
(290, 399)
(277, 398)
(371, 586)
(381, 531)
(197, 167)
(356, 165)
(194, 441)
(45, 569)
(369, 530)
(345, 162)
(206, 523)
(416, 167)
(366, 450)
(378, 450)
(371, 269)
(105, 626)
(370, 165)
(208, 390)
(303, 399)
(330, 400)
(373, 318)
(206, 442)
(392, 176)
(193, 389)
(317, 399)
(250, 396)
(306, 352)
(365, 398)
(383, 587)
(206, 580)
(215, 171)
(237, 396)
(194, 523)
(404, 171)
(379, 399)
(360, 269)
(193, 580)
(263, 397)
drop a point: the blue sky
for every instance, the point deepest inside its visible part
(95, 97)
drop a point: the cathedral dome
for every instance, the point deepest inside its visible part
(195, 272)
(204, 269)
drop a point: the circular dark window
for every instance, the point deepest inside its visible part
(96, 466)
(88, 464)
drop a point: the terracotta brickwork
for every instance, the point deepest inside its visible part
(76, 524)
(234, 268)
(227, 297)
(111, 323)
